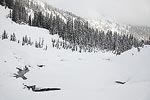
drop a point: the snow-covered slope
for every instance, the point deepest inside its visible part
(140, 32)
(45, 8)
(107, 24)
(81, 76)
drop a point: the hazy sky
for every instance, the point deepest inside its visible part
(124, 11)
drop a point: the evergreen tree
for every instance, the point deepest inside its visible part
(30, 21)
(10, 14)
(15, 12)
(4, 35)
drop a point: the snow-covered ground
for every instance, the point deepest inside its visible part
(81, 76)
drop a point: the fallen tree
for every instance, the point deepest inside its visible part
(120, 82)
(34, 88)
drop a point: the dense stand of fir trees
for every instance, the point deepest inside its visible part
(74, 30)
(7, 3)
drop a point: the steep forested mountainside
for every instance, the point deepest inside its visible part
(81, 34)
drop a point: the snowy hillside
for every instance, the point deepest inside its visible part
(106, 24)
(81, 76)
(141, 32)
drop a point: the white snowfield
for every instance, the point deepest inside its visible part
(81, 76)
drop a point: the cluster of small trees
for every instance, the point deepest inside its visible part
(13, 37)
(25, 40)
(40, 43)
(5, 36)
(73, 30)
